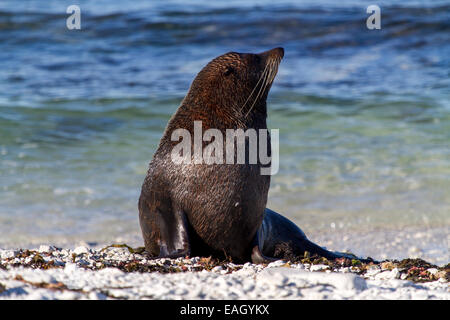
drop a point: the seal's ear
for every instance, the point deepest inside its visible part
(228, 71)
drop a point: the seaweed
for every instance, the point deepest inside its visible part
(416, 270)
(138, 250)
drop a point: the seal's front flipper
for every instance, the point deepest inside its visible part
(257, 256)
(174, 240)
(165, 230)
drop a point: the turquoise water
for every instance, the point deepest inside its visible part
(364, 116)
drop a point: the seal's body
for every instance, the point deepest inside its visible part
(200, 209)
(219, 207)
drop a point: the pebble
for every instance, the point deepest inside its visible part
(217, 269)
(80, 250)
(393, 274)
(45, 248)
(276, 264)
(433, 271)
(372, 272)
(339, 281)
(318, 267)
(5, 254)
(95, 275)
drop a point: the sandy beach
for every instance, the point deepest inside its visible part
(122, 273)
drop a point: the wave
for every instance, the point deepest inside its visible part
(321, 27)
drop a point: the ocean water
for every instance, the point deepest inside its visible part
(364, 115)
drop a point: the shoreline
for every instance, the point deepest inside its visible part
(429, 243)
(120, 272)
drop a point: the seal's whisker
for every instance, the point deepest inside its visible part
(264, 85)
(262, 77)
(261, 89)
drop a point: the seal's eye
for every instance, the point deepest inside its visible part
(228, 71)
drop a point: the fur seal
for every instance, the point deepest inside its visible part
(189, 209)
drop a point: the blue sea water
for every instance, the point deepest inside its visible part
(364, 115)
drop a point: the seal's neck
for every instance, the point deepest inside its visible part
(222, 114)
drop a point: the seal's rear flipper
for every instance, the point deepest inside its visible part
(352, 256)
(313, 248)
(280, 238)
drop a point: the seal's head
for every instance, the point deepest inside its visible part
(240, 81)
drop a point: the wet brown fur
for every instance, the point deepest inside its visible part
(198, 209)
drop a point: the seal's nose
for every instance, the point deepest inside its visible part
(273, 53)
(279, 51)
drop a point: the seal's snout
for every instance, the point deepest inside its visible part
(279, 52)
(275, 53)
